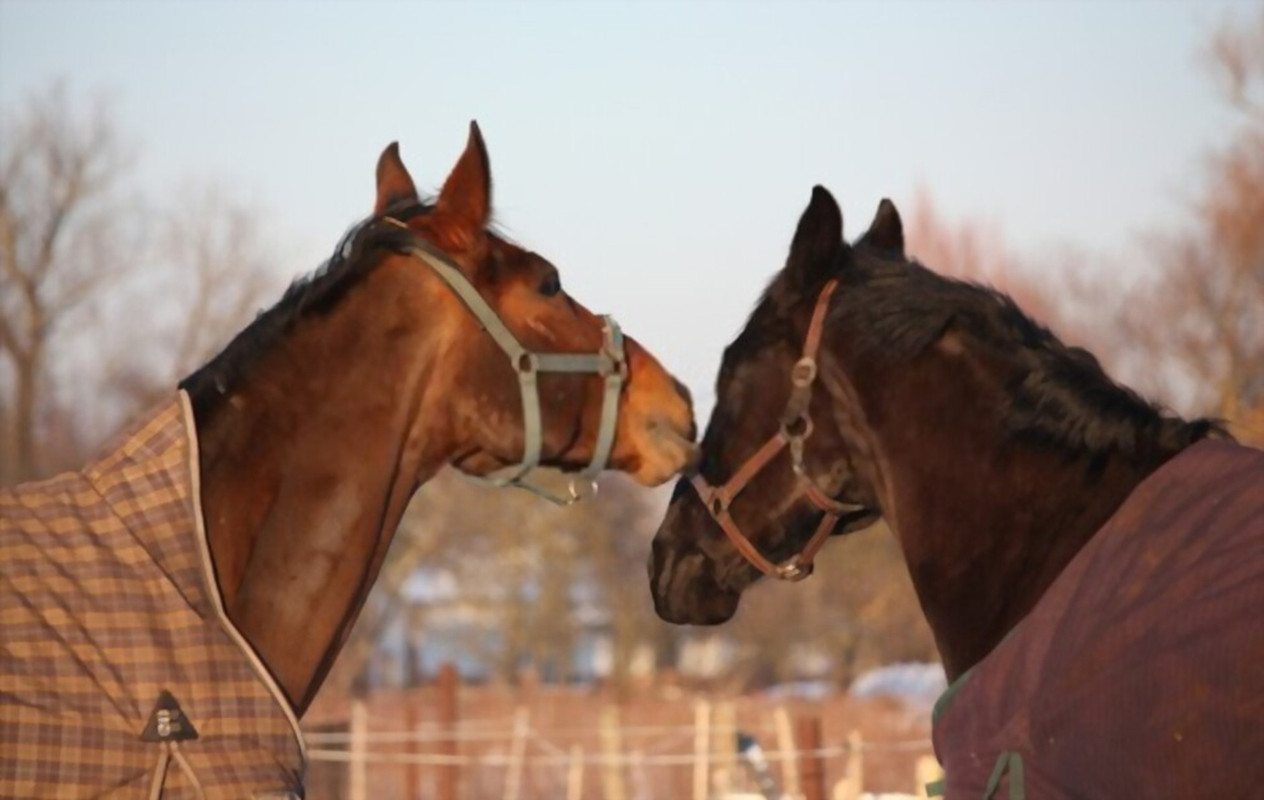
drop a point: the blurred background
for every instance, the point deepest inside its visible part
(166, 169)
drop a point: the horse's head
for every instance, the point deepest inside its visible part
(781, 469)
(617, 389)
(934, 402)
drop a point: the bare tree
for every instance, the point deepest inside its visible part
(211, 268)
(975, 251)
(614, 542)
(1199, 318)
(80, 256)
(1236, 59)
(63, 236)
(533, 578)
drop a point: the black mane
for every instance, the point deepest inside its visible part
(893, 309)
(357, 253)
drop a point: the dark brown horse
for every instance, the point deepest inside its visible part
(1014, 473)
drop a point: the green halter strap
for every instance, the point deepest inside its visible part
(610, 363)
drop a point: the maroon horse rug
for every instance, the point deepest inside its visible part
(1140, 673)
(120, 675)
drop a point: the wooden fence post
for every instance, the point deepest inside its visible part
(612, 747)
(640, 781)
(789, 756)
(811, 765)
(357, 776)
(724, 746)
(701, 748)
(575, 774)
(856, 760)
(448, 775)
(517, 753)
(927, 770)
(853, 780)
(411, 746)
(413, 702)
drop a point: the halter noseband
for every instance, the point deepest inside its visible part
(610, 363)
(796, 427)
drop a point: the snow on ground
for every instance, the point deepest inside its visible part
(916, 683)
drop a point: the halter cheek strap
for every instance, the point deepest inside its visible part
(718, 499)
(796, 427)
(610, 363)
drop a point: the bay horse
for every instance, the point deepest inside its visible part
(1092, 568)
(210, 567)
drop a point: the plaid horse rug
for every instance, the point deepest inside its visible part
(120, 674)
(1140, 673)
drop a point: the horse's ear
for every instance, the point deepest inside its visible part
(818, 240)
(887, 231)
(394, 184)
(465, 201)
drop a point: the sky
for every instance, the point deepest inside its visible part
(659, 153)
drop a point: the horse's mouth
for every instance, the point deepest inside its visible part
(670, 452)
(666, 432)
(856, 520)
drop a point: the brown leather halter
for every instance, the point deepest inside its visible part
(796, 427)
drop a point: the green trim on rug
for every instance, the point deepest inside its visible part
(1011, 762)
(950, 694)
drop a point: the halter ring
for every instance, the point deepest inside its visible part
(792, 436)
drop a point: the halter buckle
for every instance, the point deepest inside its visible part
(803, 373)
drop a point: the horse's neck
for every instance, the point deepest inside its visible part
(986, 524)
(983, 559)
(307, 469)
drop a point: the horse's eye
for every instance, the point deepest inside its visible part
(551, 285)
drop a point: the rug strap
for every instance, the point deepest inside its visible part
(188, 770)
(1011, 762)
(160, 772)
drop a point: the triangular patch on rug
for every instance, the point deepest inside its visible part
(167, 722)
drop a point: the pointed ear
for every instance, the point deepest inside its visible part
(393, 181)
(465, 202)
(887, 231)
(817, 241)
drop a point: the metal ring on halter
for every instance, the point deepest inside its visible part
(793, 436)
(527, 363)
(574, 492)
(718, 505)
(613, 367)
(793, 570)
